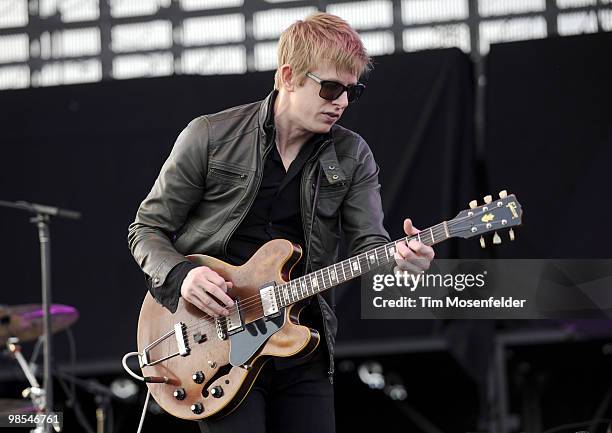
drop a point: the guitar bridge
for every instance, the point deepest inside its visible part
(182, 343)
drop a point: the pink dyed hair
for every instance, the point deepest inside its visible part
(321, 38)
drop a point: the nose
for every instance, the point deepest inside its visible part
(342, 100)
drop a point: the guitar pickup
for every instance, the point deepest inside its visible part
(233, 322)
(269, 303)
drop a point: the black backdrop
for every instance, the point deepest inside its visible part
(549, 135)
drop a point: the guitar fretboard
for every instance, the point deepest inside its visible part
(325, 278)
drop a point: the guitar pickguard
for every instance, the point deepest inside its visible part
(246, 343)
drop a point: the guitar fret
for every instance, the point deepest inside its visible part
(366, 264)
(298, 285)
(390, 250)
(313, 282)
(372, 259)
(324, 278)
(294, 291)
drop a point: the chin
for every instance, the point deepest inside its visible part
(324, 128)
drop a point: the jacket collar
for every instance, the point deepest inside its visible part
(266, 122)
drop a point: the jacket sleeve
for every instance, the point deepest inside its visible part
(362, 213)
(177, 189)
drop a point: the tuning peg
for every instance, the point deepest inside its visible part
(496, 239)
(511, 233)
(488, 199)
(483, 244)
(473, 204)
(503, 193)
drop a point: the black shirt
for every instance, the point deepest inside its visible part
(276, 211)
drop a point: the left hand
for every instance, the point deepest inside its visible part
(414, 257)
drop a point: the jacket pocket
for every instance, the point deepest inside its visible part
(227, 174)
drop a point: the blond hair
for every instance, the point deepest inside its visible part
(320, 38)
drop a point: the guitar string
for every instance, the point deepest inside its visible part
(254, 301)
(208, 323)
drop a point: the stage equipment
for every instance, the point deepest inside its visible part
(42, 219)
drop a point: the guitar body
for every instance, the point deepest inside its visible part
(218, 371)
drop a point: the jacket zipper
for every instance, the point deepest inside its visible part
(227, 173)
(330, 372)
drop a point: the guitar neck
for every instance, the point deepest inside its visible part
(325, 278)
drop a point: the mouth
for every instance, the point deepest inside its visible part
(331, 117)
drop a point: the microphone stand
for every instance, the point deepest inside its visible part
(102, 396)
(43, 215)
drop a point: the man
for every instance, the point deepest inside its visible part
(237, 179)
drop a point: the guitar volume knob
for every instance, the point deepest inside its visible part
(198, 377)
(216, 392)
(197, 408)
(179, 393)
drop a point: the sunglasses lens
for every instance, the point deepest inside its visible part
(330, 90)
(355, 92)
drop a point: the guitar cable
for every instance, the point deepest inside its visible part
(142, 379)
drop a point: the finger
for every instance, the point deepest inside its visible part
(403, 252)
(409, 229)
(217, 280)
(421, 249)
(410, 267)
(199, 303)
(219, 293)
(417, 263)
(212, 304)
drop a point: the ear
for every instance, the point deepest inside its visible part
(286, 77)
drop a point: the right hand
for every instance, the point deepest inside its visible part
(202, 282)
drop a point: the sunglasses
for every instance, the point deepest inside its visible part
(331, 90)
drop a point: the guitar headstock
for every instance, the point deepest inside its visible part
(493, 215)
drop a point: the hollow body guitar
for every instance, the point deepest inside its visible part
(197, 366)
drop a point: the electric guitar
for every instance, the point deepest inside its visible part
(197, 366)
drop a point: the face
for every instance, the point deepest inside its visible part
(312, 113)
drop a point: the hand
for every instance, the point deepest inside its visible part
(414, 257)
(199, 287)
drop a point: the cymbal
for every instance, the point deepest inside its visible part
(15, 406)
(26, 321)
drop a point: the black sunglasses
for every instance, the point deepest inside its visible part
(331, 90)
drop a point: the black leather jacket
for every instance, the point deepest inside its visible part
(209, 181)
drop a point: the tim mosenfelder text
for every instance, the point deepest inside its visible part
(458, 282)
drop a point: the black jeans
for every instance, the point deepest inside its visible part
(292, 399)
